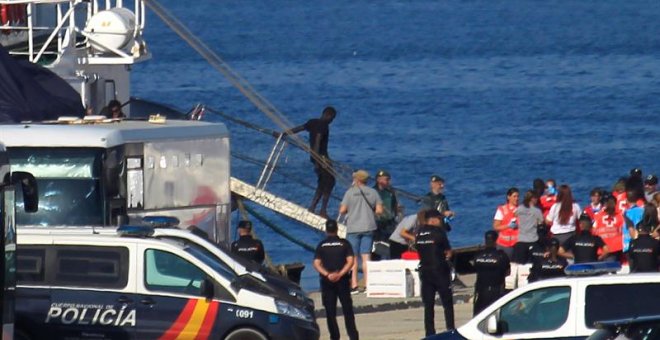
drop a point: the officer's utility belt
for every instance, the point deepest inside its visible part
(444, 266)
(490, 288)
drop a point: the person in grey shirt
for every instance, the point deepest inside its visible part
(529, 217)
(398, 243)
(360, 205)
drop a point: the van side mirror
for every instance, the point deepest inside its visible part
(207, 290)
(496, 327)
(29, 188)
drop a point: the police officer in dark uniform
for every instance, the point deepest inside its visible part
(492, 267)
(246, 246)
(436, 199)
(644, 251)
(554, 265)
(434, 271)
(537, 252)
(333, 260)
(584, 246)
(387, 220)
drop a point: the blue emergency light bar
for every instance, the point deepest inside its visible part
(135, 231)
(161, 221)
(592, 268)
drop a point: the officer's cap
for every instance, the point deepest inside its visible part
(436, 178)
(383, 173)
(490, 236)
(331, 226)
(585, 218)
(554, 242)
(431, 213)
(245, 225)
(542, 229)
(645, 227)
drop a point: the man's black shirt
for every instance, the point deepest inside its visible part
(549, 268)
(536, 256)
(643, 254)
(431, 243)
(584, 247)
(333, 252)
(492, 266)
(249, 248)
(318, 127)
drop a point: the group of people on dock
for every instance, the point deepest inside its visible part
(371, 212)
(549, 230)
(620, 226)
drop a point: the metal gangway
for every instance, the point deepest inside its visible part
(280, 205)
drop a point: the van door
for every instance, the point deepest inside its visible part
(604, 302)
(542, 313)
(32, 291)
(172, 304)
(92, 294)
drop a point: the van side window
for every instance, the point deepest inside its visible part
(88, 266)
(631, 299)
(166, 272)
(30, 265)
(538, 310)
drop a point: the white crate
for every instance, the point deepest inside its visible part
(523, 274)
(391, 279)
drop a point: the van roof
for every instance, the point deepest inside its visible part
(108, 134)
(598, 279)
(80, 238)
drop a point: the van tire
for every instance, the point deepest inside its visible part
(245, 334)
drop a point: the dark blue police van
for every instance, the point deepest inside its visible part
(131, 285)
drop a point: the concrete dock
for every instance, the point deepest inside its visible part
(399, 318)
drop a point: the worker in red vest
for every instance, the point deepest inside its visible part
(506, 224)
(549, 197)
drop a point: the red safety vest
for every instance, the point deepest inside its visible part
(610, 229)
(507, 237)
(621, 201)
(546, 202)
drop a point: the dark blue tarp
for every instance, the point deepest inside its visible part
(32, 92)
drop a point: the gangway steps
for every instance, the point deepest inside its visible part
(280, 205)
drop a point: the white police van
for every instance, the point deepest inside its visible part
(131, 285)
(563, 308)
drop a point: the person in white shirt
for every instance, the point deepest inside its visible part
(563, 215)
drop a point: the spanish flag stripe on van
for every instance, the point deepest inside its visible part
(195, 323)
(209, 320)
(181, 321)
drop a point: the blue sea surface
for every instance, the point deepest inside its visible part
(487, 94)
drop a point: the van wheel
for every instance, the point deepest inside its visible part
(246, 334)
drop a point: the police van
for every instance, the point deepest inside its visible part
(131, 285)
(563, 308)
(236, 264)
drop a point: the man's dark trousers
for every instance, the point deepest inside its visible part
(436, 280)
(341, 289)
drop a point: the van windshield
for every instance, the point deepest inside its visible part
(69, 185)
(210, 260)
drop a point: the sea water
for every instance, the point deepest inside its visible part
(487, 94)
